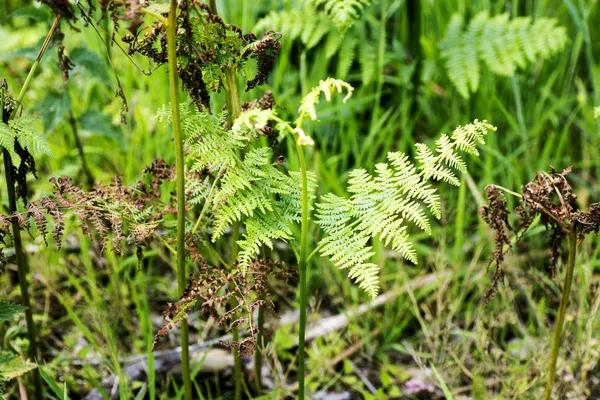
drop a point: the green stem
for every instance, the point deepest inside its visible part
(237, 361)
(234, 108)
(302, 271)
(89, 178)
(22, 271)
(212, 6)
(258, 361)
(179, 161)
(560, 320)
(35, 65)
(22, 267)
(380, 62)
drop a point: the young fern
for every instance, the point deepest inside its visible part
(250, 188)
(503, 45)
(343, 13)
(383, 205)
(352, 41)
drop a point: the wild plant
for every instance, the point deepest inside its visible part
(11, 365)
(504, 45)
(19, 146)
(230, 188)
(550, 198)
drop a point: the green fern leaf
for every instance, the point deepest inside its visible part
(343, 13)
(460, 54)
(261, 230)
(503, 45)
(20, 129)
(381, 205)
(367, 59)
(346, 56)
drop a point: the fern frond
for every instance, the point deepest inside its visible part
(343, 13)
(327, 87)
(261, 230)
(382, 205)
(348, 249)
(503, 45)
(367, 58)
(460, 54)
(7, 141)
(209, 143)
(303, 23)
(28, 139)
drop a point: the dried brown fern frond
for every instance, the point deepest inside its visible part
(213, 289)
(111, 213)
(549, 196)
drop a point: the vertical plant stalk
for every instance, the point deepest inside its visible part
(234, 108)
(179, 162)
(560, 320)
(22, 271)
(258, 361)
(22, 267)
(302, 271)
(89, 178)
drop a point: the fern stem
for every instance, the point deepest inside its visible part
(302, 271)
(22, 267)
(560, 320)
(22, 271)
(89, 178)
(258, 359)
(212, 6)
(237, 362)
(165, 243)
(35, 65)
(234, 108)
(180, 176)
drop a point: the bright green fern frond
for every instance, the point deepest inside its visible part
(433, 169)
(261, 230)
(467, 137)
(333, 213)
(504, 45)
(343, 13)
(382, 205)
(348, 249)
(289, 205)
